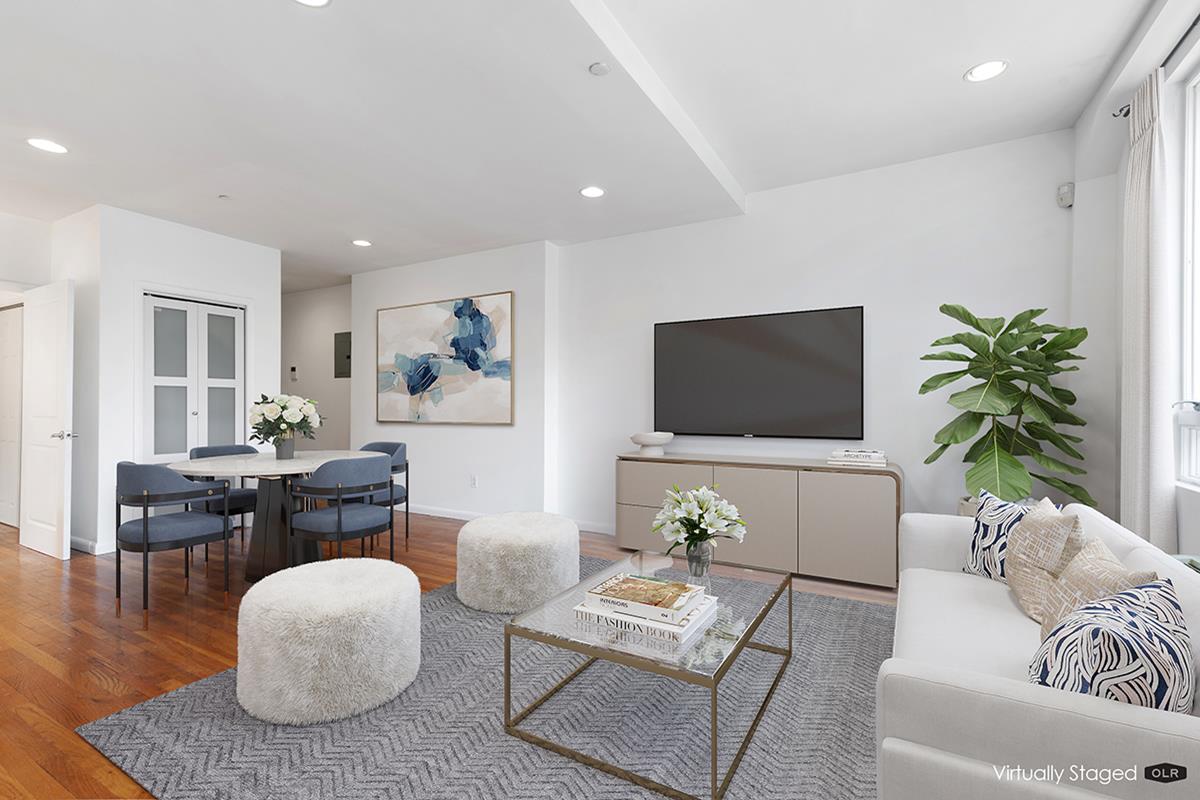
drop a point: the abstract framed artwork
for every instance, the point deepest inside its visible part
(449, 361)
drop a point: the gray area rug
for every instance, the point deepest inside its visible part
(444, 737)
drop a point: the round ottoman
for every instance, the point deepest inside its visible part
(328, 640)
(508, 563)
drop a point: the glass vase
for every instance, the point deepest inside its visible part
(699, 557)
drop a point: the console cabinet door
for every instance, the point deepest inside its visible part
(848, 527)
(634, 529)
(767, 500)
(645, 483)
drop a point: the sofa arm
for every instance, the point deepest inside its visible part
(935, 541)
(1003, 722)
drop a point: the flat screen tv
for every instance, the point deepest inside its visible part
(797, 374)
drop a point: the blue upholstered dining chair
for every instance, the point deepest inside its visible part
(398, 451)
(344, 484)
(150, 486)
(241, 500)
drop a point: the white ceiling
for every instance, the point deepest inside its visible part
(789, 91)
(445, 127)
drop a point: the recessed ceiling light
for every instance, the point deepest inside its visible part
(313, 3)
(985, 71)
(361, 243)
(599, 69)
(592, 192)
(47, 145)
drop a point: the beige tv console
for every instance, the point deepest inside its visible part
(802, 515)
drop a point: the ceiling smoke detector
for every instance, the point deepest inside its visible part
(599, 69)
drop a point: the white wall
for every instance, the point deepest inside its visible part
(310, 319)
(509, 460)
(24, 252)
(1095, 304)
(978, 227)
(115, 256)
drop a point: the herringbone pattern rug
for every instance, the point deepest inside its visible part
(443, 737)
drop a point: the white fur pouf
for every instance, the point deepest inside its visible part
(328, 640)
(513, 562)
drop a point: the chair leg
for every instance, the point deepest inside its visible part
(406, 525)
(118, 580)
(243, 527)
(392, 536)
(186, 573)
(145, 586)
(226, 542)
(339, 547)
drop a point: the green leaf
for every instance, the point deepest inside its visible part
(1072, 490)
(991, 397)
(1062, 441)
(1066, 340)
(989, 325)
(1020, 321)
(976, 450)
(978, 343)
(936, 454)
(959, 429)
(1063, 395)
(1049, 462)
(1031, 409)
(942, 342)
(1059, 416)
(940, 380)
(948, 355)
(1012, 342)
(1000, 473)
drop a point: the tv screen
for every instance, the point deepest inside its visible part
(797, 374)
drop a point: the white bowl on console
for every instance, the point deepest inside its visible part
(651, 444)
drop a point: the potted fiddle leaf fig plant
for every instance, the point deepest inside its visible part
(1014, 405)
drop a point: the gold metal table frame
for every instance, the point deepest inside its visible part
(594, 653)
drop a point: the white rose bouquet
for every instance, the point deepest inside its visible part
(698, 516)
(282, 417)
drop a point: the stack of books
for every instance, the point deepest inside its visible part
(668, 611)
(859, 458)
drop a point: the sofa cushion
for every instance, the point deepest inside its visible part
(1093, 573)
(1039, 549)
(994, 520)
(1118, 539)
(1187, 588)
(963, 621)
(1132, 647)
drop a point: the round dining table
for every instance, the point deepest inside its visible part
(268, 534)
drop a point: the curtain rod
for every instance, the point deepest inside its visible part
(1124, 110)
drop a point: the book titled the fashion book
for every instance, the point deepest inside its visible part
(696, 621)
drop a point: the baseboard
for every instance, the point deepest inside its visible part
(90, 546)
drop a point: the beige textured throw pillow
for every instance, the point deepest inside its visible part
(1094, 573)
(1039, 549)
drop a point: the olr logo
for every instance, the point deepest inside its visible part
(1165, 772)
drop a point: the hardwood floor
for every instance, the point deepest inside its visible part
(67, 659)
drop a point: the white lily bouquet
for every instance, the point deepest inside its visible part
(280, 419)
(696, 518)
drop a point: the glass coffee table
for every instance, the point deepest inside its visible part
(744, 598)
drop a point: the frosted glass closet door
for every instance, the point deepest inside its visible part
(221, 334)
(170, 401)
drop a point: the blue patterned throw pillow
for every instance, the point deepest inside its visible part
(994, 520)
(1132, 647)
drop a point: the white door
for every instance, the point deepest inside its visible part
(48, 362)
(193, 384)
(10, 414)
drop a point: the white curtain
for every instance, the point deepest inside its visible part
(1150, 344)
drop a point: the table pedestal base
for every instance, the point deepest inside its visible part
(268, 535)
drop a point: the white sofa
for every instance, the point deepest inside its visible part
(954, 703)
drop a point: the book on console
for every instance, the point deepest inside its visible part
(647, 597)
(697, 620)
